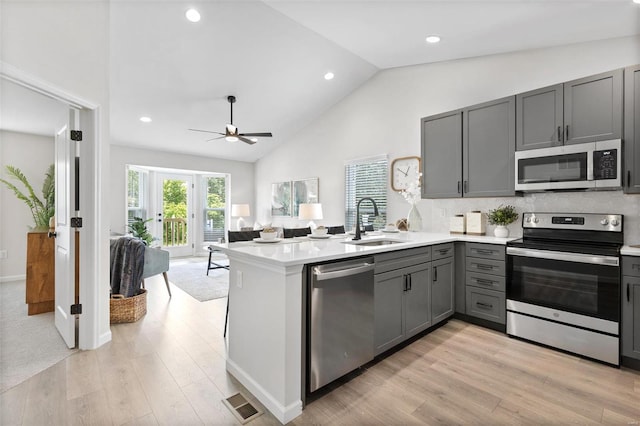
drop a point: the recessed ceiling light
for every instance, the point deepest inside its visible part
(433, 39)
(192, 15)
(145, 119)
(636, 1)
(329, 76)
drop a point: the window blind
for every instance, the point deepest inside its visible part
(366, 178)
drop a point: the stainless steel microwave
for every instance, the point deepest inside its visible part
(593, 165)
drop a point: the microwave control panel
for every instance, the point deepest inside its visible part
(605, 164)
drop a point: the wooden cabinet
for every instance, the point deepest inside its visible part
(40, 288)
(631, 176)
(442, 282)
(584, 110)
(470, 152)
(630, 326)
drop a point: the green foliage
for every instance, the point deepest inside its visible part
(174, 194)
(503, 215)
(138, 228)
(41, 210)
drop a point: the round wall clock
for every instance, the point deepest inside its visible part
(403, 171)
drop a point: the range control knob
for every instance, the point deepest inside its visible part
(536, 220)
(604, 222)
(528, 219)
(614, 222)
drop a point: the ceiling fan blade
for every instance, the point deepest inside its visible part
(206, 131)
(245, 140)
(264, 135)
(214, 139)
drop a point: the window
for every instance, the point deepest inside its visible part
(214, 208)
(366, 178)
(136, 193)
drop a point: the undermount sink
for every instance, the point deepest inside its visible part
(376, 242)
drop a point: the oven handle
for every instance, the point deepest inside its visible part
(564, 256)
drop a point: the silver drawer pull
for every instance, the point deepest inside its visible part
(483, 266)
(483, 251)
(443, 251)
(484, 282)
(484, 305)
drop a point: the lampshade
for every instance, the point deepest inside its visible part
(310, 211)
(240, 210)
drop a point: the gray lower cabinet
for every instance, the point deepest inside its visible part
(470, 152)
(485, 284)
(631, 307)
(632, 130)
(442, 282)
(460, 278)
(402, 304)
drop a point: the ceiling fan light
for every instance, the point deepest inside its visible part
(192, 15)
(231, 139)
(253, 139)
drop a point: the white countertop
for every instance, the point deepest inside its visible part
(630, 250)
(303, 250)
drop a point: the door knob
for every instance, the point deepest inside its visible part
(52, 234)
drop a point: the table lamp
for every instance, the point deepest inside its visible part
(310, 212)
(240, 211)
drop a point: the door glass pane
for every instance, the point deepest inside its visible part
(214, 218)
(174, 210)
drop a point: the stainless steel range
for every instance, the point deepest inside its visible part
(563, 283)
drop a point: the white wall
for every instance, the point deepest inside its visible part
(383, 116)
(33, 155)
(65, 44)
(241, 181)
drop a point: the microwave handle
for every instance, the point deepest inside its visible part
(589, 165)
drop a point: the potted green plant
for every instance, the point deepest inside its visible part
(501, 217)
(42, 210)
(138, 228)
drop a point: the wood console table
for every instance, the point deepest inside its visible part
(40, 272)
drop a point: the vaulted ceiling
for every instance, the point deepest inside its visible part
(273, 55)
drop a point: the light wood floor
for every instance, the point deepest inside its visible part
(169, 368)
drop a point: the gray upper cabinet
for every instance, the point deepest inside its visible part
(584, 110)
(593, 108)
(442, 155)
(488, 148)
(539, 122)
(632, 130)
(470, 152)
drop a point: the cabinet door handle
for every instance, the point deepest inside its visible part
(566, 133)
(435, 273)
(404, 283)
(485, 305)
(466, 187)
(482, 281)
(559, 133)
(410, 285)
(628, 299)
(628, 177)
(459, 187)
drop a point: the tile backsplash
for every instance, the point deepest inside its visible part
(437, 213)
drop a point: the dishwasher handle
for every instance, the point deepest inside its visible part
(340, 273)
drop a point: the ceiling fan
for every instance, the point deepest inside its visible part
(231, 132)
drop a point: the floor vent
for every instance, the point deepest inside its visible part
(241, 408)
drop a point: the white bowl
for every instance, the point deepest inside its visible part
(321, 231)
(268, 235)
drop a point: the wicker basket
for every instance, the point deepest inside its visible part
(128, 309)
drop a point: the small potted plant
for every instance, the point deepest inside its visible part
(138, 228)
(501, 217)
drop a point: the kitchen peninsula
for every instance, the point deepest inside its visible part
(267, 324)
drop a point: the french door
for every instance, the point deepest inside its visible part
(175, 213)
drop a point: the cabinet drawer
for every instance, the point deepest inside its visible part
(631, 266)
(485, 251)
(441, 251)
(401, 259)
(486, 304)
(485, 266)
(493, 282)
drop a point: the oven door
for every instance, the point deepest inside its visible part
(583, 284)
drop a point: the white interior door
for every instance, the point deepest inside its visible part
(174, 202)
(65, 153)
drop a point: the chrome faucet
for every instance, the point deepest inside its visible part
(375, 213)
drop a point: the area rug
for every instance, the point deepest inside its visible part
(190, 275)
(28, 344)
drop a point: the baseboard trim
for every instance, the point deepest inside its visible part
(282, 413)
(9, 278)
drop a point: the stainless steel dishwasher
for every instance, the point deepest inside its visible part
(341, 319)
